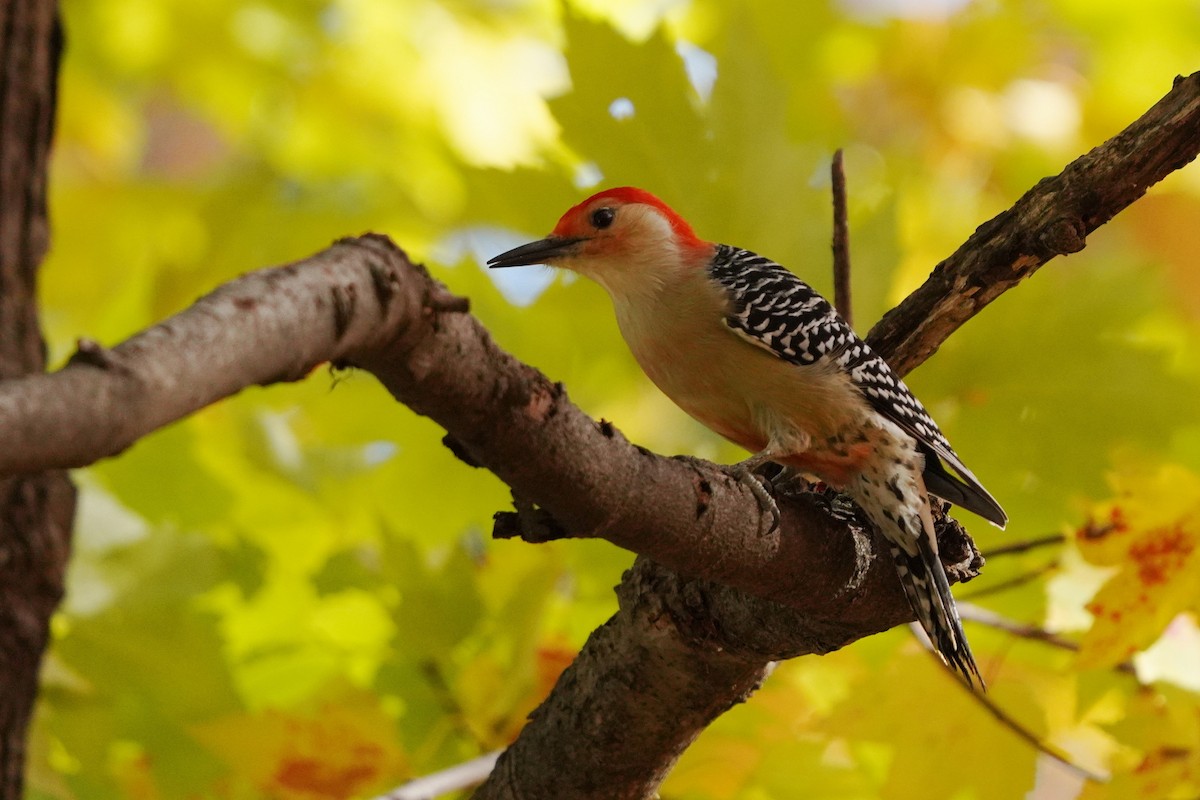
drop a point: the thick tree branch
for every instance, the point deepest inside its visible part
(689, 516)
(362, 303)
(605, 715)
(269, 326)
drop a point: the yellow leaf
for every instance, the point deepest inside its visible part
(1151, 533)
(131, 767)
(344, 747)
(937, 740)
(1161, 732)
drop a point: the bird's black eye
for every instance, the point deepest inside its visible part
(603, 217)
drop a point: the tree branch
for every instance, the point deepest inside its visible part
(1024, 546)
(1015, 582)
(36, 510)
(460, 776)
(1053, 218)
(362, 303)
(269, 326)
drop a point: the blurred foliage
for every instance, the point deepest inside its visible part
(293, 594)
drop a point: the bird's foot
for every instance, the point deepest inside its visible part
(745, 474)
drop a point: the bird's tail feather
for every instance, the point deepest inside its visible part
(928, 592)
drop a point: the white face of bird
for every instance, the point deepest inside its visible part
(625, 239)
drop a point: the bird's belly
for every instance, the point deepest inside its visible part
(755, 399)
(707, 390)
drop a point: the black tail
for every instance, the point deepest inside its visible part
(963, 489)
(928, 591)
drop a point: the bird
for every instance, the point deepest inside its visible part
(755, 354)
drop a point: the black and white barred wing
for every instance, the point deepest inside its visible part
(773, 309)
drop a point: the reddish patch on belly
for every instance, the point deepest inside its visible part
(834, 466)
(837, 464)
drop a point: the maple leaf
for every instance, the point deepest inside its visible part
(1150, 532)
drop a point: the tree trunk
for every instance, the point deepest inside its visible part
(35, 510)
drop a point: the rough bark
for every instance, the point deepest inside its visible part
(36, 509)
(648, 658)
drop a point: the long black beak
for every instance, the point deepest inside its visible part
(537, 252)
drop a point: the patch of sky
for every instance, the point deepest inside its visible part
(701, 68)
(621, 108)
(519, 285)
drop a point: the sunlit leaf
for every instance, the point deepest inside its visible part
(343, 746)
(1162, 728)
(1150, 531)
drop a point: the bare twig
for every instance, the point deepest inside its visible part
(454, 779)
(1012, 583)
(841, 241)
(1026, 545)
(984, 616)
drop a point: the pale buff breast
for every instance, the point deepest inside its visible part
(743, 392)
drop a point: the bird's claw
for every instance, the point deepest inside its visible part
(760, 487)
(744, 473)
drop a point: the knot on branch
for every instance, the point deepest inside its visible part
(960, 556)
(1061, 236)
(538, 396)
(529, 523)
(94, 354)
(441, 300)
(460, 451)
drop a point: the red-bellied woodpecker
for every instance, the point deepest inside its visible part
(755, 354)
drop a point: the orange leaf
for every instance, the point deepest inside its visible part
(343, 748)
